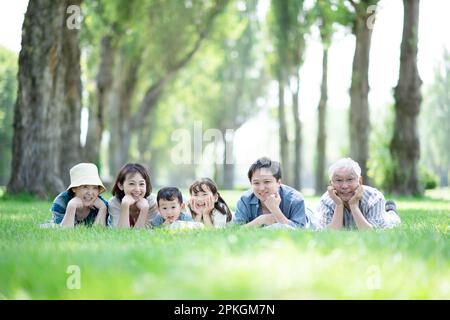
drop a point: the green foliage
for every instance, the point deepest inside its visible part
(380, 164)
(226, 264)
(427, 178)
(8, 92)
(434, 122)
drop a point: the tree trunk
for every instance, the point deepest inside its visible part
(322, 134)
(98, 110)
(120, 133)
(40, 101)
(405, 146)
(228, 162)
(359, 94)
(284, 143)
(71, 113)
(297, 168)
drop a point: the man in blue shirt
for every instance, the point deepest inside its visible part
(269, 202)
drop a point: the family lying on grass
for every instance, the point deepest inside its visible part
(347, 203)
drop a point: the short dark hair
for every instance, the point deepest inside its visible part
(131, 168)
(169, 194)
(264, 162)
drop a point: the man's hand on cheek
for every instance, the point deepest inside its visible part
(357, 196)
(333, 195)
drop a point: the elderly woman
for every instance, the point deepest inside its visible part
(349, 204)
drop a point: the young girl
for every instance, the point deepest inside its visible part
(81, 203)
(206, 204)
(131, 204)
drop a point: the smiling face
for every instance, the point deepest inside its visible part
(201, 194)
(170, 209)
(134, 185)
(345, 181)
(264, 184)
(87, 193)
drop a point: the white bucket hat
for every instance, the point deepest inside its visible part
(85, 174)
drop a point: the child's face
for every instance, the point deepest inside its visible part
(264, 184)
(202, 195)
(134, 185)
(170, 209)
(87, 193)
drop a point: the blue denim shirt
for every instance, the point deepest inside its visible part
(292, 205)
(159, 220)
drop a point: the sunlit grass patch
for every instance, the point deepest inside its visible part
(411, 261)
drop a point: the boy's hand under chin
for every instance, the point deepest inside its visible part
(168, 221)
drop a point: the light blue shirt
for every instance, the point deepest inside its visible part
(292, 205)
(159, 220)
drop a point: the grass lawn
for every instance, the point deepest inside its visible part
(410, 262)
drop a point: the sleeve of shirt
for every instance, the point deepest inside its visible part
(157, 221)
(325, 213)
(298, 218)
(376, 214)
(114, 212)
(58, 209)
(152, 210)
(185, 217)
(242, 213)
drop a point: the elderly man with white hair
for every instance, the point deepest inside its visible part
(349, 204)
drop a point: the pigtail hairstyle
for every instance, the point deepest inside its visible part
(220, 205)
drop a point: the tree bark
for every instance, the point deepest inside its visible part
(40, 101)
(359, 92)
(228, 166)
(322, 134)
(97, 111)
(297, 168)
(71, 112)
(120, 114)
(405, 145)
(284, 142)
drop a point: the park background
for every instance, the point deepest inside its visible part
(202, 88)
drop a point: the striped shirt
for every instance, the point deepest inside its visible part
(371, 205)
(59, 206)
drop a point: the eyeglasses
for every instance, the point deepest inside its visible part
(341, 182)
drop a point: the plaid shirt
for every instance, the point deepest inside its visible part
(371, 206)
(59, 206)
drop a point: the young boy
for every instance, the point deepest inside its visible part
(170, 206)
